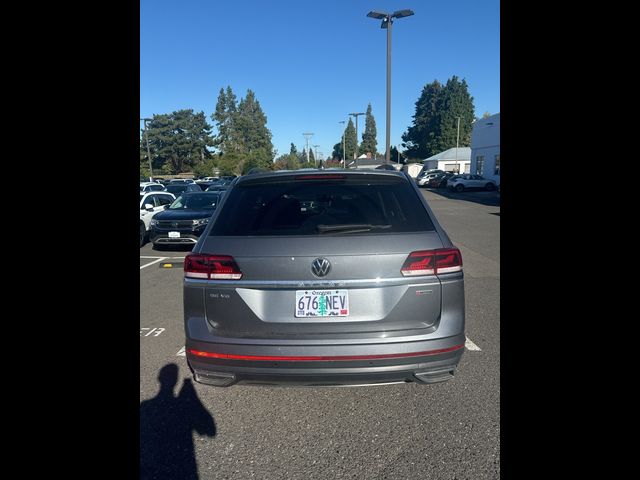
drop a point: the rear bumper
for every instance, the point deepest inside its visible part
(424, 362)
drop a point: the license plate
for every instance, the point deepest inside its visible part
(322, 303)
(174, 234)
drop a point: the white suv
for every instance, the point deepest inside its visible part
(150, 204)
(468, 181)
(151, 187)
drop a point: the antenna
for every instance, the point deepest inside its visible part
(307, 136)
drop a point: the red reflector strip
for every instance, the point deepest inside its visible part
(272, 358)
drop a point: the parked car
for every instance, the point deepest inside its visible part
(183, 221)
(182, 180)
(178, 188)
(220, 185)
(203, 184)
(468, 181)
(424, 179)
(439, 180)
(323, 278)
(151, 187)
(150, 204)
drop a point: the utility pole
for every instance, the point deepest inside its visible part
(355, 155)
(307, 136)
(315, 156)
(146, 134)
(457, 140)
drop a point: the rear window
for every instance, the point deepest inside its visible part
(355, 205)
(176, 188)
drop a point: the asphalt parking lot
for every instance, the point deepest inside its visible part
(441, 431)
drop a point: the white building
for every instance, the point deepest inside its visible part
(485, 148)
(452, 160)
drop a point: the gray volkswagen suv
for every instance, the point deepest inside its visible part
(323, 278)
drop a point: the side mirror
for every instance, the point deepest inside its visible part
(164, 207)
(148, 207)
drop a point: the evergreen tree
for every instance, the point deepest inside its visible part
(178, 141)
(250, 125)
(455, 102)
(350, 141)
(337, 151)
(369, 141)
(293, 150)
(416, 140)
(312, 158)
(435, 125)
(224, 117)
(242, 130)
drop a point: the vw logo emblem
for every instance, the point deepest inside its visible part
(174, 224)
(320, 267)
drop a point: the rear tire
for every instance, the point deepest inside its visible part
(459, 188)
(143, 234)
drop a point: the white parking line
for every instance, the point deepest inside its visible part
(181, 353)
(471, 346)
(151, 263)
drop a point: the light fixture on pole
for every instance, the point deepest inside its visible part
(355, 153)
(146, 134)
(387, 21)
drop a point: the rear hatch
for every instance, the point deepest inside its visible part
(320, 255)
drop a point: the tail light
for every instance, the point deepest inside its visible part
(432, 262)
(211, 267)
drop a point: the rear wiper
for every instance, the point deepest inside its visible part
(350, 228)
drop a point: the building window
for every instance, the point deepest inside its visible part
(497, 169)
(479, 164)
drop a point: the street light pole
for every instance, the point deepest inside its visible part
(387, 21)
(307, 136)
(315, 156)
(387, 155)
(146, 134)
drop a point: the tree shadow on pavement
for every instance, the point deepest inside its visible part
(167, 423)
(491, 199)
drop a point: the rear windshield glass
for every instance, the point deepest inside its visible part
(328, 207)
(196, 201)
(176, 188)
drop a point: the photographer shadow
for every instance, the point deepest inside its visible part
(167, 423)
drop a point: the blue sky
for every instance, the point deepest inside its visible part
(311, 63)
